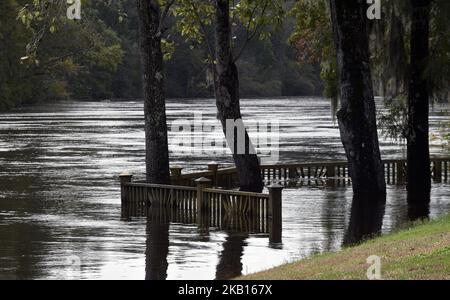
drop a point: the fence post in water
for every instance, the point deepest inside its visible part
(175, 171)
(331, 171)
(124, 178)
(437, 171)
(399, 170)
(275, 212)
(202, 183)
(202, 205)
(214, 167)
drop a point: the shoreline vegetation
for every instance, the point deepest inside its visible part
(421, 252)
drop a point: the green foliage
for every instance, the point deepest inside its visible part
(393, 121)
(192, 18)
(14, 86)
(313, 39)
(439, 65)
(391, 56)
(46, 56)
(249, 19)
(50, 57)
(390, 47)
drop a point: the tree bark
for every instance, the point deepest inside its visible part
(419, 175)
(156, 142)
(357, 116)
(227, 100)
(366, 219)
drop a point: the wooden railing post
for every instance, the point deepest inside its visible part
(445, 170)
(175, 171)
(202, 204)
(437, 171)
(214, 167)
(124, 178)
(331, 171)
(275, 213)
(202, 183)
(399, 172)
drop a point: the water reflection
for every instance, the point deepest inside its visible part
(366, 218)
(333, 215)
(59, 194)
(157, 247)
(230, 259)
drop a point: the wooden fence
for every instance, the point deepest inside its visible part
(208, 207)
(219, 221)
(395, 172)
(191, 198)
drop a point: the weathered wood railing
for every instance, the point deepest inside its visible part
(193, 198)
(221, 221)
(395, 172)
(256, 212)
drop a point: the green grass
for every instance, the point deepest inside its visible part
(421, 252)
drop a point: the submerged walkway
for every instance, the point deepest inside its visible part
(395, 172)
(209, 198)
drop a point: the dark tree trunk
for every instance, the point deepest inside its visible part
(357, 116)
(419, 175)
(227, 100)
(156, 143)
(366, 219)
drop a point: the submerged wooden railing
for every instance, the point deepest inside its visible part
(395, 172)
(192, 198)
(220, 221)
(209, 207)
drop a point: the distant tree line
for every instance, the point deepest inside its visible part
(98, 58)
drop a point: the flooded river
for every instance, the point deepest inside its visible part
(60, 201)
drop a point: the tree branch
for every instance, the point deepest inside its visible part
(203, 29)
(249, 36)
(164, 16)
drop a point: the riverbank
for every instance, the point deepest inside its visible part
(421, 252)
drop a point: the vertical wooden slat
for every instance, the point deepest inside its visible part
(445, 170)
(388, 172)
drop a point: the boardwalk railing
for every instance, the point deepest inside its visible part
(222, 221)
(191, 197)
(209, 207)
(395, 172)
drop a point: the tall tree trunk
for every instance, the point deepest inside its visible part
(419, 175)
(366, 219)
(227, 100)
(357, 116)
(156, 143)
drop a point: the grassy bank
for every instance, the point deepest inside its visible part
(421, 252)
